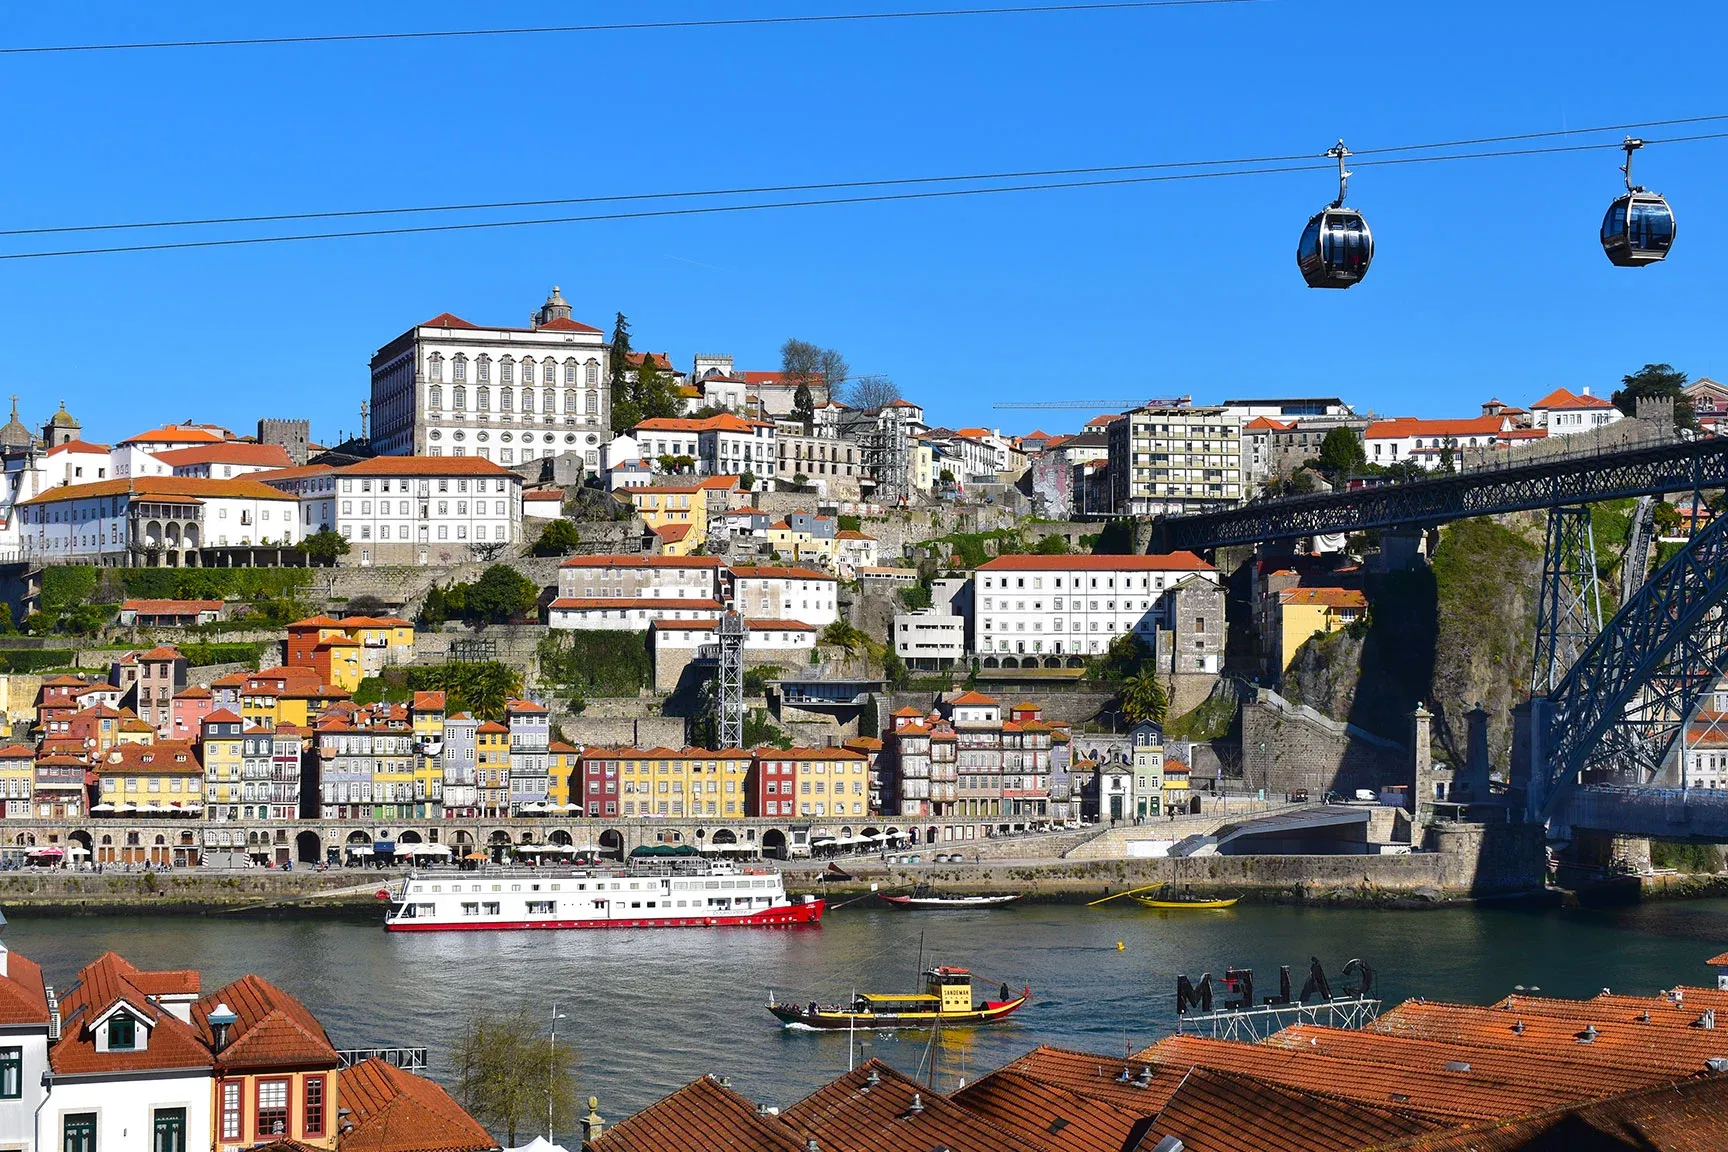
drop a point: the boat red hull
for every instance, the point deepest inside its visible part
(791, 916)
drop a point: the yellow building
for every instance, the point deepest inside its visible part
(562, 762)
(1176, 790)
(1305, 612)
(386, 639)
(492, 768)
(278, 696)
(151, 778)
(132, 730)
(800, 545)
(827, 781)
(221, 752)
(679, 781)
(338, 662)
(427, 713)
(17, 780)
(685, 506)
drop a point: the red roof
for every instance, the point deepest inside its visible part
(229, 452)
(1325, 597)
(23, 996)
(1267, 424)
(720, 422)
(1222, 1112)
(222, 716)
(621, 561)
(425, 466)
(429, 701)
(584, 603)
(1564, 398)
(672, 533)
(973, 697)
(878, 1108)
(172, 607)
(395, 1111)
(766, 572)
(79, 446)
(179, 434)
(1406, 426)
(273, 1028)
(562, 324)
(1168, 562)
(701, 1115)
(447, 320)
(1037, 1111)
(105, 983)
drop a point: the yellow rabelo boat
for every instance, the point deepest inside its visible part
(947, 1001)
(1179, 901)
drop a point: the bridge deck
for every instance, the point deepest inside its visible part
(1580, 478)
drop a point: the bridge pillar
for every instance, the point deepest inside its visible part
(1569, 609)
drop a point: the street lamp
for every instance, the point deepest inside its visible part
(551, 1069)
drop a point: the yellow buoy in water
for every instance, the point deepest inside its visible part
(1121, 947)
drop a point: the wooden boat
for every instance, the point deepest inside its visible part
(1184, 902)
(930, 900)
(946, 1002)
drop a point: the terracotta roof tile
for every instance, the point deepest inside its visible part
(228, 452)
(273, 1028)
(1168, 562)
(424, 466)
(585, 603)
(897, 1114)
(622, 561)
(182, 489)
(1223, 1112)
(702, 1116)
(23, 996)
(1040, 1111)
(768, 572)
(1689, 1117)
(1099, 1077)
(396, 1111)
(106, 982)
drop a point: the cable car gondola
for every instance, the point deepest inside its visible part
(1336, 247)
(1639, 226)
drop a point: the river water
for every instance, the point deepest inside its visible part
(651, 1010)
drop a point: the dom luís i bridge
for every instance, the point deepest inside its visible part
(1602, 744)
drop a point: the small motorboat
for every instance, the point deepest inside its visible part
(947, 1001)
(915, 900)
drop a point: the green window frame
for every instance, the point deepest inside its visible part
(11, 1073)
(78, 1132)
(122, 1033)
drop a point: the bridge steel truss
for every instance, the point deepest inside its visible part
(1569, 607)
(1584, 478)
(1618, 714)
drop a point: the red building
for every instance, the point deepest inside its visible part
(304, 636)
(595, 788)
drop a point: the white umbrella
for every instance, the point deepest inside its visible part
(102, 807)
(435, 849)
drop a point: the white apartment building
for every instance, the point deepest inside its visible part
(1176, 459)
(927, 639)
(166, 517)
(1429, 442)
(451, 388)
(628, 593)
(767, 638)
(420, 509)
(770, 593)
(721, 445)
(1566, 413)
(1065, 607)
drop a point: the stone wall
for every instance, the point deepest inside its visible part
(1286, 747)
(636, 732)
(1486, 859)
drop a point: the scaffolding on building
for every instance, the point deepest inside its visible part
(884, 446)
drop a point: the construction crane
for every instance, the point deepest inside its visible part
(1108, 405)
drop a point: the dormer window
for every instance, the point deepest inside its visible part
(122, 1033)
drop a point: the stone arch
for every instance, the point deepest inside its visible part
(83, 840)
(724, 836)
(560, 837)
(1076, 662)
(930, 835)
(308, 849)
(1052, 662)
(1010, 662)
(499, 838)
(774, 843)
(612, 842)
(359, 837)
(990, 662)
(409, 836)
(462, 836)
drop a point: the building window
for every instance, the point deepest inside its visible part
(272, 1109)
(459, 398)
(506, 371)
(483, 399)
(483, 370)
(11, 1073)
(435, 397)
(593, 374)
(459, 369)
(434, 367)
(231, 1111)
(78, 1132)
(569, 400)
(170, 1130)
(527, 371)
(312, 1115)
(569, 371)
(123, 1030)
(593, 402)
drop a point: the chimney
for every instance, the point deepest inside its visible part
(221, 1019)
(592, 1124)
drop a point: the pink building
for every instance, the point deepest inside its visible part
(187, 712)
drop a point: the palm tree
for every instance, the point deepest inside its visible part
(1143, 697)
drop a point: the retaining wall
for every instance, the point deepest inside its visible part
(1287, 747)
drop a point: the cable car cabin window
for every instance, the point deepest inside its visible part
(1651, 226)
(1310, 239)
(1614, 224)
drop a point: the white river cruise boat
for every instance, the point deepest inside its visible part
(696, 895)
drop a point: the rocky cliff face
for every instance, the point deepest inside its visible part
(1459, 631)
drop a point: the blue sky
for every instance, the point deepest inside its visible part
(1488, 278)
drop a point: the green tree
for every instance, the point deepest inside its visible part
(654, 392)
(748, 480)
(1341, 454)
(1120, 661)
(842, 634)
(500, 595)
(559, 538)
(1144, 698)
(1656, 381)
(625, 414)
(1667, 518)
(7, 628)
(324, 546)
(804, 406)
(946, 476)
(1052, 546)
(511, 1077)
(894, 670)
(1449, 456)
(482, 688)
